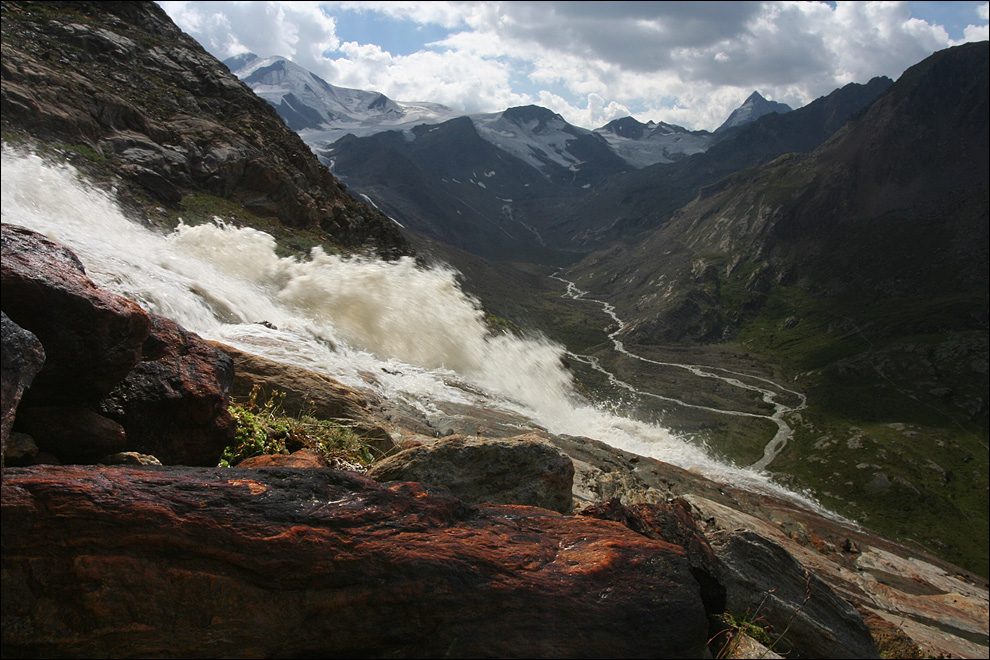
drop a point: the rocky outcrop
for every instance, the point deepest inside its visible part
(92, 337)
(764, 582)
(147, 103)
(114, 378)
(173, 404)
(522, 470)
(315, 563)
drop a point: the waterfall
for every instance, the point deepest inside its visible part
(411, 328)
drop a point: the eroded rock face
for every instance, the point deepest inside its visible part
(173, 404)
(521, 470)
(92, 338)
(186, 562)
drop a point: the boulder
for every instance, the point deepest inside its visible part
(525, 470)
(129, 458)
(91, 337)
(214, 562)
(20, 449)
(22, 358)
(764, 583)
(173, 404)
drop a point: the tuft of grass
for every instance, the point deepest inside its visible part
(264, 428)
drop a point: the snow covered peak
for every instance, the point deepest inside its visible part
(642, 144)
(309, 104)
(531, 133)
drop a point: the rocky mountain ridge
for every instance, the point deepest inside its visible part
(323, 113)
(515, 189)
(754, 107)
(516, 216)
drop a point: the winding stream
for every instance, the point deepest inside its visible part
(770, 396)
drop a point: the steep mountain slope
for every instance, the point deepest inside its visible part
(861, 268)
(120, 87)
(907, 178)
(487, 184)
(646, 198)
(752, 109)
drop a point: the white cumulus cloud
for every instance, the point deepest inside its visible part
(689, 63)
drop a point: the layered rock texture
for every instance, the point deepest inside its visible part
(314, 563)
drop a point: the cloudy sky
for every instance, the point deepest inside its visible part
(687, 63)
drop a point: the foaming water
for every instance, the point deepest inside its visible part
(411, 327)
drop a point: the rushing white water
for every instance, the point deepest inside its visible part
(406, 331)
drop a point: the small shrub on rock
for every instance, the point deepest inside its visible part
(265, 429)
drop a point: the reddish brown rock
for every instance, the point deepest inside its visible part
(92, 338)
(304, 458)
(173, 404)
(671, 522)
(187, 562)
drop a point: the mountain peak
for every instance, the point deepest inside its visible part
(627, 127)
(527, 113)
(752, 109)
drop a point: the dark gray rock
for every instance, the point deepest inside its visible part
(522, 470)
(22, 358)
(764, 583)
(74, 433)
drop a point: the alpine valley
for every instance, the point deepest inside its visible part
(840, 247)
(295, 370)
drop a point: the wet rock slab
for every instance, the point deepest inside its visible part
(280, 562)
